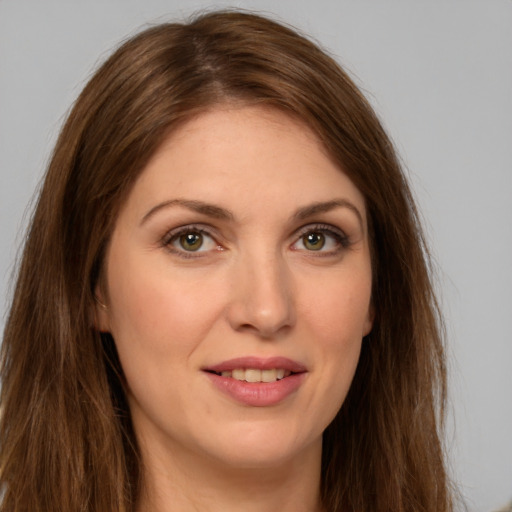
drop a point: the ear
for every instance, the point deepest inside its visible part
(368, 323)
(101, 313)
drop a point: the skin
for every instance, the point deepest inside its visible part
(255, 287)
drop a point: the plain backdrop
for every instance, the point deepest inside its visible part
(439, 74)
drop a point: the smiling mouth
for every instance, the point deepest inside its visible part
(257, 381)
(255, 375)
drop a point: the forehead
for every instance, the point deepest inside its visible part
(243, 157)
(241, 129)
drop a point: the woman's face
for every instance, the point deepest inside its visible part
(237, 287)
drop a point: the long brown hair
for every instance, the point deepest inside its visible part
(66, 438)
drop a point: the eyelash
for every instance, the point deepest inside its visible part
(175, 234)
(341, 240)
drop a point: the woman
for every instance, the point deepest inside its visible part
(224, 299)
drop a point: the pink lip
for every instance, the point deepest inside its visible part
(257, 394)
(257, 363)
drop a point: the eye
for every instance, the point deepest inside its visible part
(322, 239)
(314, 241)
(190, 239)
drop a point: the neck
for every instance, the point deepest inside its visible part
(185, 482)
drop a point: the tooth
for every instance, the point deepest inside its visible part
(268, 375)
(238, 374)
(253, 375)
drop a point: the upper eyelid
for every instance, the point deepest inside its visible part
(212, 231)
(199, 227)
(320, 226)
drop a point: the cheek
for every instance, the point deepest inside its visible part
(338, 319)
(159, 311)
(340, 322)
(339, 306)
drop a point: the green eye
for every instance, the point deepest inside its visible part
(313, 241)
(191, 241)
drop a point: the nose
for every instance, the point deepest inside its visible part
(262, 298)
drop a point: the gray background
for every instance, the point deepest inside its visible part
(439, 73)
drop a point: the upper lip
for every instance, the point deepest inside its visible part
(258, 363)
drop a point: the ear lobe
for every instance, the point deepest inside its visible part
(101, 316)
(370, 317)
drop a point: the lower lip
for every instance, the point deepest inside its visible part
(257, 394)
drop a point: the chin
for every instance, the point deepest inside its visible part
(253, 447)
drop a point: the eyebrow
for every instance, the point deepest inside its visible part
(207, 209)
(326, 206)
(217, 212)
